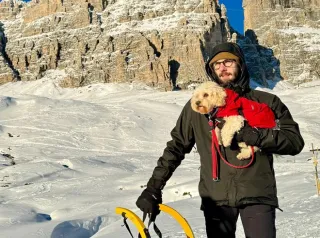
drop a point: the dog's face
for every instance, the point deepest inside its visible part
(207, 96)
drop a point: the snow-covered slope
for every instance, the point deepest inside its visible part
(79, 153)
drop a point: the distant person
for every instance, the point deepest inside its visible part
(99, 18)
(11, 4)
(173, 67)
(90, 12)
(104, 4)
(249, 192)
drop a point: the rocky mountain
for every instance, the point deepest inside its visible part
(164, 43)
(286, 39)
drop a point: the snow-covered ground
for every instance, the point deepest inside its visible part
(80, 153)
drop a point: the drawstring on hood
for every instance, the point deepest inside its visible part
(241, 84)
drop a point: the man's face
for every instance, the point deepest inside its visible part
(227, 70)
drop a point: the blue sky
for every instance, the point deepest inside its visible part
(235, 14)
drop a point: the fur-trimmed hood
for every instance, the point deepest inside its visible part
(241, 84)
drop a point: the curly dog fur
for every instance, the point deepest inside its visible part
(210, 95)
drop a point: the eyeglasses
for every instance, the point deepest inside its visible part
(227, 63)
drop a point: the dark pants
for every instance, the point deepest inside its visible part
(258, 221)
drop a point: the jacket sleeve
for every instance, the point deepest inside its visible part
(285, 139)
(182, 142)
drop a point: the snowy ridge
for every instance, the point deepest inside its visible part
(307, 37)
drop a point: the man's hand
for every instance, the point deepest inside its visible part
(149, 201)
(249, 135)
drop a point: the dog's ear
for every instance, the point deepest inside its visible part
(194, 99)
(218, 95)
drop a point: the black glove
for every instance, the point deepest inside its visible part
(220, 122)
(149, 201)
(249, 135)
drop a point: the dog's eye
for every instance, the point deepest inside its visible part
(205, 95)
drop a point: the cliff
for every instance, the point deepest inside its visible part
(290, 31)
(162, 43)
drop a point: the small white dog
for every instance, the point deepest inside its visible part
(210, 95)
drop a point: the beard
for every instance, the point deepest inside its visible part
(231, 78)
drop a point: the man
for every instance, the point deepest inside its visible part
(250, 192)
(90, 12)
(99, 18)
(104, 4)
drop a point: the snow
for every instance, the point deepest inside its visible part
(308, 37)
(161, 16)
(80, 153)
(301, 30)
(160, 24)
(15, 1)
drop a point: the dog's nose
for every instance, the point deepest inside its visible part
(198, 103)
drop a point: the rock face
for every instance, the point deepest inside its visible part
(6, 74)
(8, 10)
(163, 43)
(285, 36)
